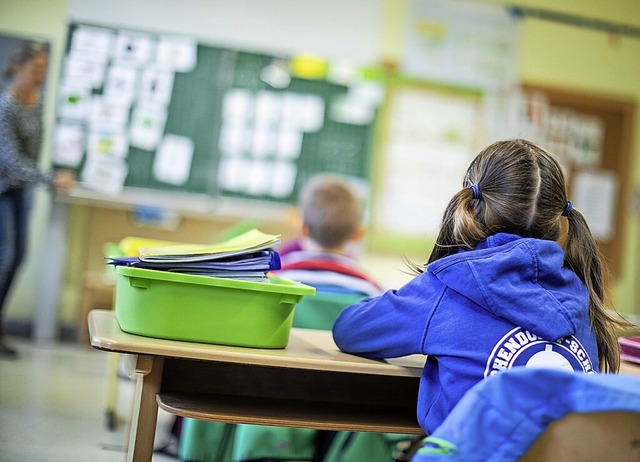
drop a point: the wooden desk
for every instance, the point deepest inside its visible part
(310, 384)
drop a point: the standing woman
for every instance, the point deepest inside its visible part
(20, 142)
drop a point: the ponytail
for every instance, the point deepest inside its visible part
(460, 229)
(583, 257)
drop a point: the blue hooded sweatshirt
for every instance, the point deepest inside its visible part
(508, 303)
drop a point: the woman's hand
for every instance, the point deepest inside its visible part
(64, 181)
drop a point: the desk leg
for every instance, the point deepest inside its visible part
(144, 414)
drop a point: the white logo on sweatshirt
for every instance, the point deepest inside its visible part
(523, 348)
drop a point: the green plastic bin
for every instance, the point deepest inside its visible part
(204, 309)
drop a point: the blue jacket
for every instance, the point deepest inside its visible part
(510, 302)
(502, 416)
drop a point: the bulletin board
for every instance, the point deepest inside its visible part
(428, 136)
(215, 121)
(599, 176)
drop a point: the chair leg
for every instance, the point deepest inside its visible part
(112, 391)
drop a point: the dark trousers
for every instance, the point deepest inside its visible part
(15, 206)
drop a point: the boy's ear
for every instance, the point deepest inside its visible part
(304, 230)
(358, 234)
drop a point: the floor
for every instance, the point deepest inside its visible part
(53, 406)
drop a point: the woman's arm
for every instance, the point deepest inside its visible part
(16, 170)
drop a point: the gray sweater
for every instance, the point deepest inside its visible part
(20, 142)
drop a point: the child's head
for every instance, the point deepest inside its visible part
(331, 212)
(513, 187)
(517, 187)
(27, 64)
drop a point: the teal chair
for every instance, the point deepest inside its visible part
(202, 441)
(321, 311)
(254, 442)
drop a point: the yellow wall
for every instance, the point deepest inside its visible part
(552, 54)
(46, 20)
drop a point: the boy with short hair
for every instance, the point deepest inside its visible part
(331, 226)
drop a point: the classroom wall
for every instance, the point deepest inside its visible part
(345, 29)
(365, 31)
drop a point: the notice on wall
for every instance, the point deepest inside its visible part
(172, 163)
(69, 145)
(462, 42)
(261, 139)
(429, 145)
(594, 195)
(104, 174)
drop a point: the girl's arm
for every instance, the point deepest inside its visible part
(392, 324)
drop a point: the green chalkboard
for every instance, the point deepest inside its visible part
(273, 155)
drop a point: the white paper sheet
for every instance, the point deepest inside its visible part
(147, 126)
(348, 109)
(134, 48)
(83, 69)
(312, 113)
(302, 111)
(106, 175)
(107, 114)
(233, 174)
(156, 86)
(289, 144)
(235, 139)
(93, 39)
(177, 53)
(263, 142)
(284, 179)
(74, 102)
(238, 105)
(69, 145)
(172, 163)
(594, 195)
(291, 109)
(108, 144)
(268, 108)
(260, 176)
(121, 83)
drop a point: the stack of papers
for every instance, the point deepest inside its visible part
(248, 256)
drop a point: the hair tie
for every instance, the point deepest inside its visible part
(476, 191)
(567, 209)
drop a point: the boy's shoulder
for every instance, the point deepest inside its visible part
(311, 265)
(304, 259)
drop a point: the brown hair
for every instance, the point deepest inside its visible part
(21, 56)
(331, 210)
(523, 192)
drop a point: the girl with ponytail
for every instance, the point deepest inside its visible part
(514, 279)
